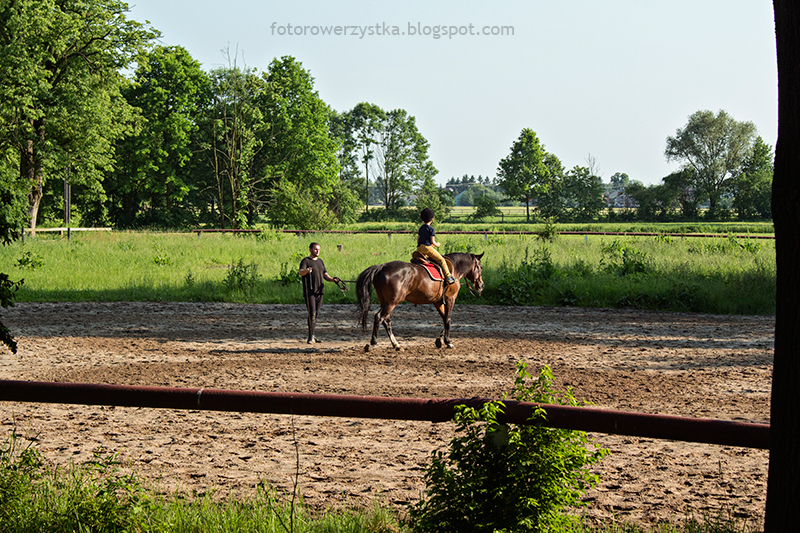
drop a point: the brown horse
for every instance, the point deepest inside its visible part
(397, 281)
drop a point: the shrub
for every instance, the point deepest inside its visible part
(549, 232)
(242, 277)
(30, 260)
(289, 271)
(522, 285)
(507, 477)
(624, 259)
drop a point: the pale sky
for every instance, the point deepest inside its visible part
(608, 78)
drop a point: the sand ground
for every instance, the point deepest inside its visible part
(680, 364)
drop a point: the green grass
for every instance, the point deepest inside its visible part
(514, 219)
(99, 496)
(710, 275)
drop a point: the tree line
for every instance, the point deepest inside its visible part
(171, 145)
(726, 168)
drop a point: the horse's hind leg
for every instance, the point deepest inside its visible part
(376, 324)
(387, 324)
(382, 317)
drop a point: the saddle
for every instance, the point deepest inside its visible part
(434, 270)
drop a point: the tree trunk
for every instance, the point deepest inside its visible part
(783, 488)
(31, 170)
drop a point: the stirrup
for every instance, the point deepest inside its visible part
(450, 280)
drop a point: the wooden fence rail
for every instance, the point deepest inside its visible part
(710, 431)
(33, 231)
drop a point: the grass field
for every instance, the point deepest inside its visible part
(717, 275)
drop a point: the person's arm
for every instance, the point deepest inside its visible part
(304, 271)
(328, 277)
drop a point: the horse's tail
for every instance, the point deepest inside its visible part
(364, 293)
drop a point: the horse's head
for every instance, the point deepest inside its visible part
(474, 275)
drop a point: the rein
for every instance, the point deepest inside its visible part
(469, 286)
(342, 284)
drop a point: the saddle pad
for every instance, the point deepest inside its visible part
(433, 270)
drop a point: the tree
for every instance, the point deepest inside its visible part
(654, 202)
(752, 188)
(681, 185)
(299, 148)
(363, 126)
(59, 85)
(552, 200)
(233, 133)
(782, 511)
(431, 196)
(619, 181)
(485, 206)
(401, 156)
(583, 192)
(153, 177)
(715, 147)
(341, 129)
(523, 174)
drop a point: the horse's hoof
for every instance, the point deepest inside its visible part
(439, 342)
(398, 349)
(450, 345)
(366, 348)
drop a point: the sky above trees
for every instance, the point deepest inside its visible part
(612, 79)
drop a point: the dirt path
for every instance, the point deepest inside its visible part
(691, 365)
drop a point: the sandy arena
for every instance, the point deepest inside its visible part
(691, 365)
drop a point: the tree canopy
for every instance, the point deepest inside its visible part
(59, 84)
(523, 174)
(715, 147)
(389, 148)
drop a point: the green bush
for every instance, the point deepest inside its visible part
(242, 277)
(522, 284)
(508, 477)
(30, 260)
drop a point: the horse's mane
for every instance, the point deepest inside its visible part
(462, 262)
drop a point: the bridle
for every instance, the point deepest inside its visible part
(470, 284)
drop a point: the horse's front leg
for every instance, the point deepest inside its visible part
(445, 310)
(448, 313)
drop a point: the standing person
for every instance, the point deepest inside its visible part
(313, 274)
(427, 244)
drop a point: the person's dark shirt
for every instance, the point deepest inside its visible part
(314, 281)
(425, 235)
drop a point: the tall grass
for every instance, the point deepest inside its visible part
(713, 275)
(99, 496)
